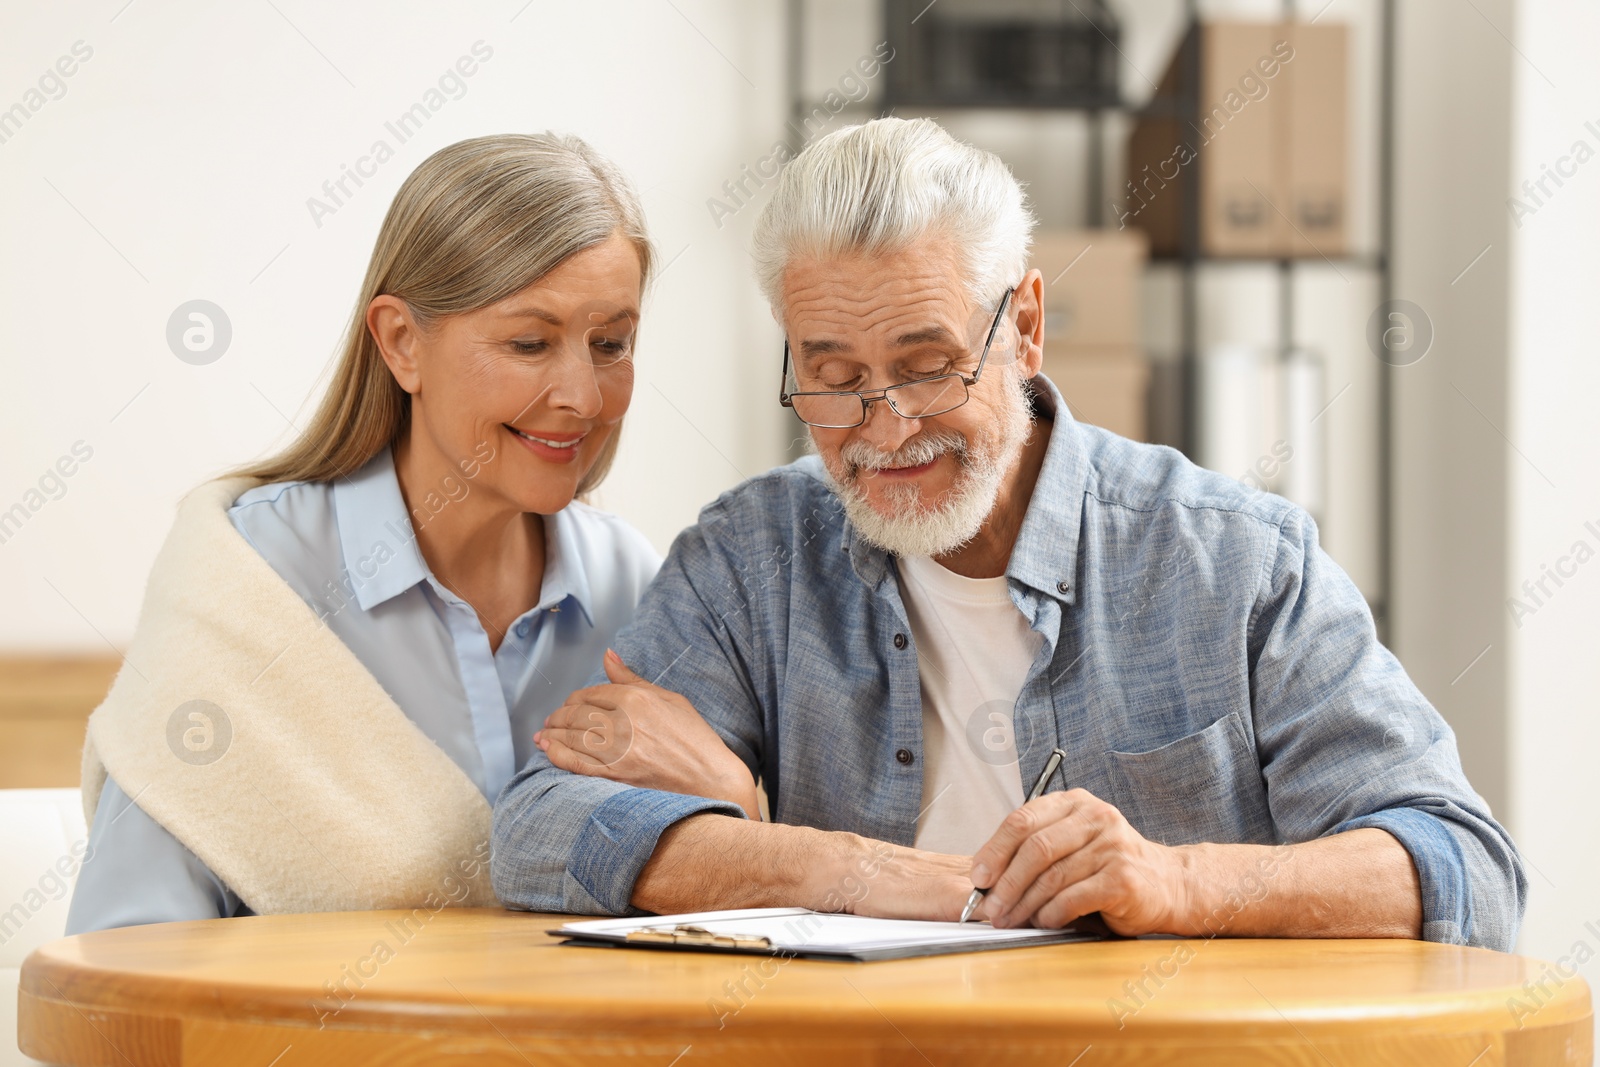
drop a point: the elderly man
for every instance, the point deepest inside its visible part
(892, 635)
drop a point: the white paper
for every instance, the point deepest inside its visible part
(800, 930)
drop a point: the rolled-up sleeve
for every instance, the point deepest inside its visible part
(1441, 870)
(564, 842)
(1348, 741)
(573, 843)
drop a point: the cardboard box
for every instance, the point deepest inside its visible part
(1317, 137)
(1238, 135)
(1265, 141)
(1108, 388)
(1091, 288)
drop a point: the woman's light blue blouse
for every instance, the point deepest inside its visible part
(349, 549)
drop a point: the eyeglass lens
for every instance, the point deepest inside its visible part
(912, 400)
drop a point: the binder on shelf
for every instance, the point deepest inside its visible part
(1265, 140)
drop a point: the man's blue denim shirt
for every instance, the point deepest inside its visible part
(1206, 666)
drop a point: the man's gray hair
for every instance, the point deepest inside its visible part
(880, 186)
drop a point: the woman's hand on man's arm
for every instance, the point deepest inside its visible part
(640, 734)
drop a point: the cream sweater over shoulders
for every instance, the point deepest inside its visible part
(301, 784)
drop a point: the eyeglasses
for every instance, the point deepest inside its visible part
(920, 399)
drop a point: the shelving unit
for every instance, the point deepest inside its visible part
(1379, 262)
(1190, 261)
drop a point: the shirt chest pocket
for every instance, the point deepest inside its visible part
(1203, 787)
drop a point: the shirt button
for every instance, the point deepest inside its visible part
(521, 628)
(1063, 587)
(900, 642)
(904, 756)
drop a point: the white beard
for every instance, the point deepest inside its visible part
(914, 528)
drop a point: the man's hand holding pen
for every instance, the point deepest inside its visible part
(1069, 854)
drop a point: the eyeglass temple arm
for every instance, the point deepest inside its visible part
(999, 314)
(783, 382)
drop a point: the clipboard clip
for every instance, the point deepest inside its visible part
(686, 934)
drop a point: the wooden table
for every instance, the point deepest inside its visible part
(491, 987)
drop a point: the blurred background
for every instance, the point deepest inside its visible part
(1339, 249)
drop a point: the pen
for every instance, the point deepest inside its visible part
(1050, 765)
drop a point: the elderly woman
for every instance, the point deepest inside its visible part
(345, 651)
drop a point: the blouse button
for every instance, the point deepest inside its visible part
(904, 756)
(521, 628)
(900, 642)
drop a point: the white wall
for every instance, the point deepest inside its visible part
(1497, 477)
(1452, 139)
(1553, 482)
(178, 165)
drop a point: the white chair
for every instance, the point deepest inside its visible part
(42, 843)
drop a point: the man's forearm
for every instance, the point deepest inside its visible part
(712, 862)
(1361, 883)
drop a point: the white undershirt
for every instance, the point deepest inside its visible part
(974, 649)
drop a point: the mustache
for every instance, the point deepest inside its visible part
(924, 448)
